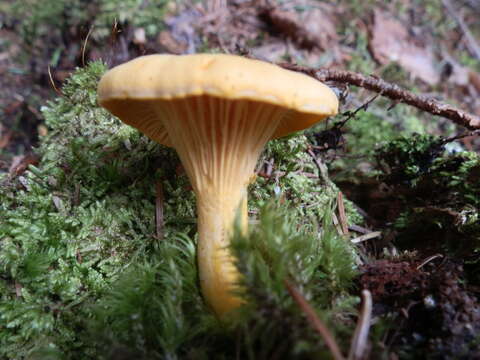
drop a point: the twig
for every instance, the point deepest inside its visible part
(315, 321)
(359, 229)
(472, 44)
(360, 337)
(322, 168)
(366, 237)
(84, 47)
(159, 219)
(341, 213)
(53, 82)
(391, 91)
(427, 260)
(461, 136)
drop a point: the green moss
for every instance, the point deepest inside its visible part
(74, 223)
(82, 272)
(318, 262)
(48, 19)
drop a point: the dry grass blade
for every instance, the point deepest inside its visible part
(52, 81)
(315, 321)
(84, 47)
(341, 213)
(360, 337)
(429, 259)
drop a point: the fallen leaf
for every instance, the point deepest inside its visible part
(272, 51)
(5, 137)
(20, 163)
(391, 42)
(314, 27)
(170, 44)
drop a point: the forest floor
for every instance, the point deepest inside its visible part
(429, 47)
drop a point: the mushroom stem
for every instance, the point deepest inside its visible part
(218, 275)
(219, 143)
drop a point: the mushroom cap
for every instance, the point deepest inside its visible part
(127, 89)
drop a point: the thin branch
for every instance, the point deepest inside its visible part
(322, 168)
(315, 321)
(429, 259)
(52, 82)
(393, 92)
(84, 47)
(366, 237)
(360, 337)
(461, 136)
(472, 44)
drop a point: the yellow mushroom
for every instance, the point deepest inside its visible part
(218, 111)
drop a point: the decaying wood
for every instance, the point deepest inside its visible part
(393, 92)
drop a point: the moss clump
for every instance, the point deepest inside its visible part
(437, 191)
(70, 226)
(317, 261)
(40, 19)
(82, 273)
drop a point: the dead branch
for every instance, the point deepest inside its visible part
(391, 91)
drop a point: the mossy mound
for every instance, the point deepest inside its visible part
(83, 274)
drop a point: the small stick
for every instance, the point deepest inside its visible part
(366, 237)
(427, 260)
(359, 229)
(84, 47)
(391, 91)
(53, 82)
(360, 337)
(159, 218)
(460, 136)
(322, 169)
(315, 321)
(341, 213)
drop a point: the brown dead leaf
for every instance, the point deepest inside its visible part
(474, 78)
(271, 51)
(20, 163)
(315, 27)
(5, 137)
(390, 41)
(170, 44)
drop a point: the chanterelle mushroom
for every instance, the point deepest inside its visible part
(217, 111)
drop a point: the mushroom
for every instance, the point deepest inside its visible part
(218, 111)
